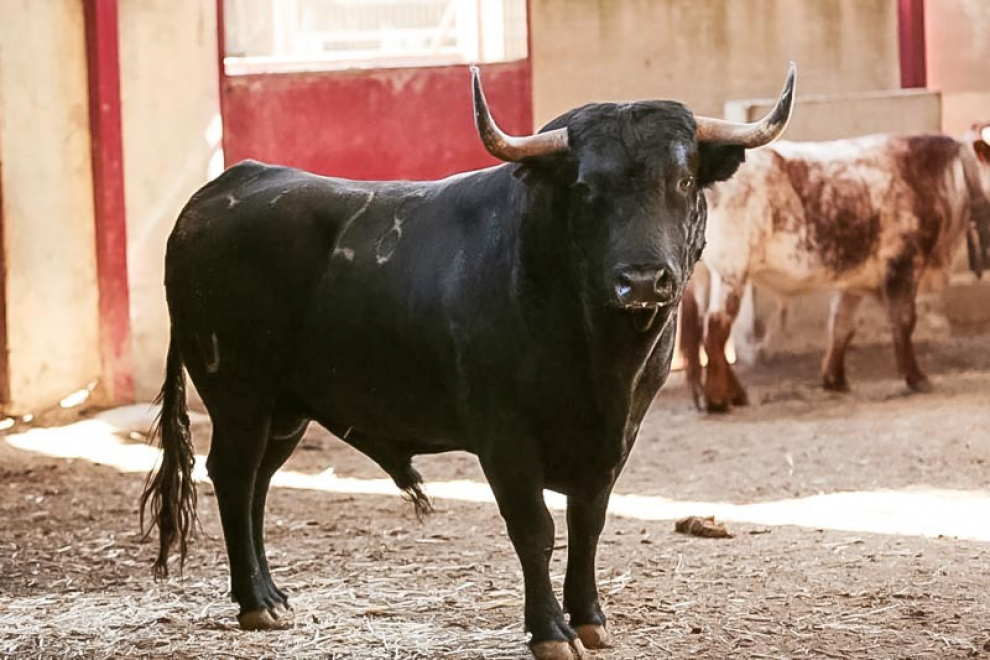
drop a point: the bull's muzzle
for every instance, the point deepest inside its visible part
(644, 292)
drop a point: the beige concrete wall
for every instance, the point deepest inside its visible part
(52, 328)
(832, 117)
(706, 52)
(957, 52)
(171, 124)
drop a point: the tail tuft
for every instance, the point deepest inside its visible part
(410, 480)
(169, 497)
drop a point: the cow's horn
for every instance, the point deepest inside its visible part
(508, 147)
(757, 134)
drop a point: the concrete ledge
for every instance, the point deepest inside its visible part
(900, 111)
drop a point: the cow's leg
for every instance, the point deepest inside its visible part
(899, 291)
(285, 434)
(585, 520)
(722, 388)
(240, 438)
(841, 328)
(691, 330)
(517, 483)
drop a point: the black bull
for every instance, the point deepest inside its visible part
(522, 313)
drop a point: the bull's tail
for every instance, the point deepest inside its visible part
(169, 497)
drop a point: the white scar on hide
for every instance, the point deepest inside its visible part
(231, 201)
(387, 244)
(348, 253)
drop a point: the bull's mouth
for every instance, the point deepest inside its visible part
(642, 315)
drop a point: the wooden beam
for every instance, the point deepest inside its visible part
(103, 63)
(911, 37)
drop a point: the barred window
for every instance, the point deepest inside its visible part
(306, 35)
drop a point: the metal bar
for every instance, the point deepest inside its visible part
(106, 144)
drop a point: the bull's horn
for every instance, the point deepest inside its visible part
(508, 147)
(757, 134)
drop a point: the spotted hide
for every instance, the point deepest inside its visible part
(863, 216)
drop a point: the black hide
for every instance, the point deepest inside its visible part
(487, 312)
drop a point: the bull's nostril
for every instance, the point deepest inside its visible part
(664, 282)
(624, 286)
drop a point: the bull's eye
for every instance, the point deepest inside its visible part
(686, 184)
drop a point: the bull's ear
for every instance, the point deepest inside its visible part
(982, 150)
(718, 162)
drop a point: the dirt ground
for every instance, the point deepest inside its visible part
(367, 580)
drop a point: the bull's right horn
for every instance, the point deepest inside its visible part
(758, 134)
(508, 147)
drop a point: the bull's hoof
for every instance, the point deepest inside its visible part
(718, 407)
(557, 650)
(594, 636)
(274, 619)
(921, 384)
(835, 384)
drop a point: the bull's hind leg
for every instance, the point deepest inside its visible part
(240, 437)
(284, 436)
(841, 328)
(899, 290)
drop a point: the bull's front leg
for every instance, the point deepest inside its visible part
(517, 483)
(722, 388)
(585, 520)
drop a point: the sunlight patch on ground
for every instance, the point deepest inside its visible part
(913, 511)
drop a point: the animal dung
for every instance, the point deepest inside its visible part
(705, 527)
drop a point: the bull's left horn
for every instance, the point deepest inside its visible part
(508, 147)
(757, 134)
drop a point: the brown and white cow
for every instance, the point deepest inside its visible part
(862, 216)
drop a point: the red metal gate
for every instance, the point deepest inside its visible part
(385, 123)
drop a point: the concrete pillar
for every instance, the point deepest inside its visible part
(52, 318)
(172, 132)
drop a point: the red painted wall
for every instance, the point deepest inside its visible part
(414, 123)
